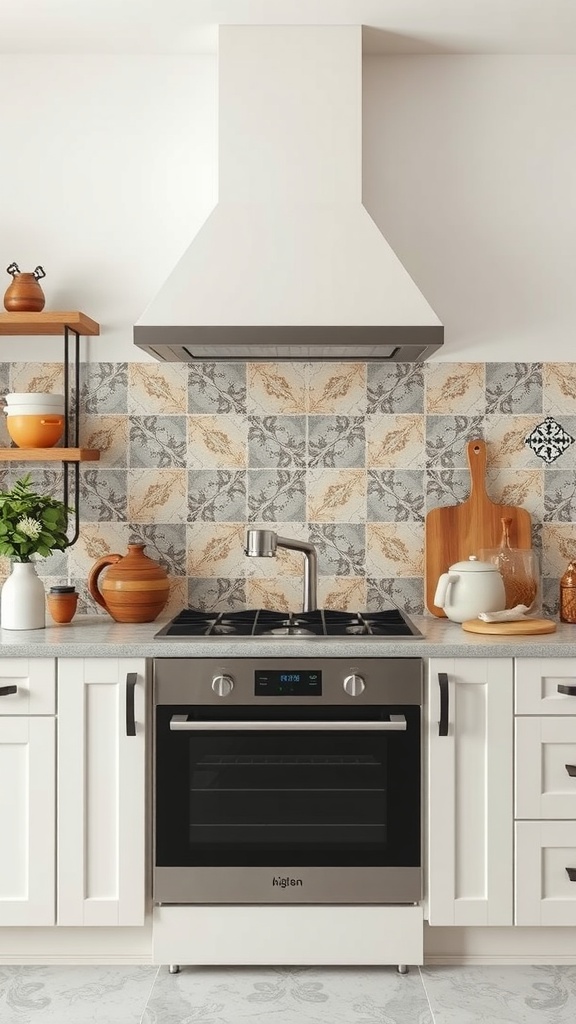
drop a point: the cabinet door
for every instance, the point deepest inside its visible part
(35, 682)
(470, 816)
(27, 810)
(545, 767)
(101, 792)
(537, 681)
(545, 894)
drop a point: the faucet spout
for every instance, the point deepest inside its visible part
(264, 543)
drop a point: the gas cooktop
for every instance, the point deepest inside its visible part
(269, 625)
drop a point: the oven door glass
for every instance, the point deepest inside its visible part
(316, 791)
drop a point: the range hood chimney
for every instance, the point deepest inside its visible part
(289, 265)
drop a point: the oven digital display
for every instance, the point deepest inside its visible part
(296, 683)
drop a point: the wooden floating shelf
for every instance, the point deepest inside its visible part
(49, 455)
(30, 324)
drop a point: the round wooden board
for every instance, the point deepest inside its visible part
(523, 627)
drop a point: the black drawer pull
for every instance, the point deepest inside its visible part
(5, 690)
(571, 769)
(564, 688)
(131, 680)
(444, 708)
(571, 872)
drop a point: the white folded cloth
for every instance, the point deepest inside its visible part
(508, 615)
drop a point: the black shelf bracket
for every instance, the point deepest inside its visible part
(71, 409)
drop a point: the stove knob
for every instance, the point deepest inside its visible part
(354, 685)
(222, 685)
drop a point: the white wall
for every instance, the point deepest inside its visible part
(108, 169)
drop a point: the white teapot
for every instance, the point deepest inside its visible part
(469, 588)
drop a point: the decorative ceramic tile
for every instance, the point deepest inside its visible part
(501, 995)
(551, 596)
(158, 441)
(395, 441)
(506, 441)
(215, 549)
(288, 995)
(276, 388)
(109, 436)
(394, 549)
(42, 479)
(446, 487)
(549, 440)
(337, 495)
(105, 388)
(103, 495)
(395, 387)
(95, 541)
(285, 562)
(276, 494)
(407, 594)
(48, 377)
(341, 548)
(217, 495)
(5, 379)
(58, 995)
(513, 387)
(560, 495)
(447, 437)
(284, 593)
(453, 388)
(217, 387)
(559, 545)
(523, 487)
(337, 388)
(157, 495)
(277, 442)
(395, 495)
(157, 388)
(177, 600)
(165, 542)
(347, 593)
(559, 381)
(336, 441)
(217, 441)
(218, 595)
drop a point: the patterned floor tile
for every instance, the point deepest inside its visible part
(501, 995)
(74, 995)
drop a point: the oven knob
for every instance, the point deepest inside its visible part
(222, 685)
(354, 685)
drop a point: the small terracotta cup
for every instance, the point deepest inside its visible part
(62, 603)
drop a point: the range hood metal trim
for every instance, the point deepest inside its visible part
(173, 343)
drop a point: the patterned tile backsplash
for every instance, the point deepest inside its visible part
(348, 455)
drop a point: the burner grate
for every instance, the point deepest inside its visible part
(264, 624)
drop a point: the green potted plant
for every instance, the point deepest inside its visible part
(31, 526)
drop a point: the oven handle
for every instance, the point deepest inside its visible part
(180, 723)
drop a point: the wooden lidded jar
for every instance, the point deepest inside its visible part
(135, 587)
(568, 594)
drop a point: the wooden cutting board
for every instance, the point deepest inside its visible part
(523, 627)
(455, 532)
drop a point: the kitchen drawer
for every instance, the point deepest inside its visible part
(35, 682)
(536, 682)
(544, 749)
(544, 893)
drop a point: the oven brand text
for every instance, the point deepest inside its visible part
(284, 882)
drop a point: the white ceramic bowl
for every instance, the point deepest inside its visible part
(34, 410)
(34, 398)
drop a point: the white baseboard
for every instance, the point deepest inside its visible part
(69, 960)
(506, 959)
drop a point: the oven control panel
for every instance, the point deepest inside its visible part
(288, 683)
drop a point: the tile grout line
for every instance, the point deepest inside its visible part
(154, 980)
(432, 1017)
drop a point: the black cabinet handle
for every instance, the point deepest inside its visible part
(571, 769)
(444, 709)
(571, 872)
(564, 688)
(131, 680)
(5, 690)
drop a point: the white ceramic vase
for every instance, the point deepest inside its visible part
(23, 601)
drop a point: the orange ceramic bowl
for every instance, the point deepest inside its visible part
(35, 431)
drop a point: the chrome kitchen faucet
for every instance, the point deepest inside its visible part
(263, 544)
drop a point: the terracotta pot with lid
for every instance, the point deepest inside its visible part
(135, 587)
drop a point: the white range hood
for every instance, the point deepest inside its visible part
(289, 264)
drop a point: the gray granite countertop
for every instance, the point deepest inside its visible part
(97, 636)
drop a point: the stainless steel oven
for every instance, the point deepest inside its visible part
(287, 780)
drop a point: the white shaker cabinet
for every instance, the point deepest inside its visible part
(101, 791)
(469, 714)
(27, 791)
